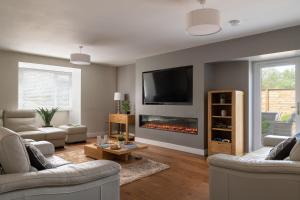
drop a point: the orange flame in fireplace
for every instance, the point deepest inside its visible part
(169, 127)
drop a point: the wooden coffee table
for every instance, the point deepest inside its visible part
(96, 152)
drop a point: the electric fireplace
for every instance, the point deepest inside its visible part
(172, 124)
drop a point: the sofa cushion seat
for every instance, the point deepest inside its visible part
(53, 133)
(71, 130)
(66, 175)
(35, 135)
(57, 161)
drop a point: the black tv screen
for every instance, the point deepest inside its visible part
(168, 86)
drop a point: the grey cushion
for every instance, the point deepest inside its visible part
(37, 159)
(282, 150)
(13, 155)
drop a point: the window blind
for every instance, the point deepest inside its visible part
(44, 88)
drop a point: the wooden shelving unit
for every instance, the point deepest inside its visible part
(226, 122)
(121, 119)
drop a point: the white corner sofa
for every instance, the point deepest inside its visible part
(252, 177)
(23, 122)
(94, 180)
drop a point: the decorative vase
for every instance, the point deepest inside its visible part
(223, 113)
(222, 100)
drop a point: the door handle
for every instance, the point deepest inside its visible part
(298, 108)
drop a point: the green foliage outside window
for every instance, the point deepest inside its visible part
(274, 78)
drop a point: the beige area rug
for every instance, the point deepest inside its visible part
(139, 169)
(131, 171)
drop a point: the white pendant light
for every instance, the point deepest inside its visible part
(80, 58)
(205, 21)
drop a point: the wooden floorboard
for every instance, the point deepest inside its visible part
(187, 178)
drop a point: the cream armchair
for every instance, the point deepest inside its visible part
(94, 180)
(252, 177)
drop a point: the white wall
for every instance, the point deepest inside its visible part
(98, 82)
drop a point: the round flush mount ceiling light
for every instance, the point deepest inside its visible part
(80, 58)
(205, 21)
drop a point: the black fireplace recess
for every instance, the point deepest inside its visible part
(172, 124)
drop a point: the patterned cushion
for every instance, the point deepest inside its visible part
(37, 159)
(1, 170)
(282, 150)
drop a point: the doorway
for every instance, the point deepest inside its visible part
(276, 99)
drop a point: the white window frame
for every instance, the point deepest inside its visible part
(257, 66)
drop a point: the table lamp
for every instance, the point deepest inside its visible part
(118, 97)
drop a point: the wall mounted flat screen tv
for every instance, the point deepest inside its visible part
(168, 86)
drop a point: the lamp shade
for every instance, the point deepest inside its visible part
(80, 59)
(118, 96)
(204, 21)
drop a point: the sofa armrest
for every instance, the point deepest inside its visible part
(273, 140)
(254, 166)
(66, 175)
(45, 147)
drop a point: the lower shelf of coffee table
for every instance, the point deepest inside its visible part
(95, 152)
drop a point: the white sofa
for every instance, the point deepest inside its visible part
(23, 122)
(94, 180)
(252, 177)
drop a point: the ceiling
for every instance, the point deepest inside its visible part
(117, 32)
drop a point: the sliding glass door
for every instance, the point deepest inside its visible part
(276, 99)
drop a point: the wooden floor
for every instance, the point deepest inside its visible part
(187, 178)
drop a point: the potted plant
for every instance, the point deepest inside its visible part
(222, 98)
(47, 115)
(121, 139)
(126, 107)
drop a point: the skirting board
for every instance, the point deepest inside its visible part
(177, 147)
(94, 134)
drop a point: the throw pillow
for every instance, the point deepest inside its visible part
(282, 150)
(37, 159)
(13, 154)
(295, 152)
(1, 170)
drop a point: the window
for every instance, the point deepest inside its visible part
(44, 87)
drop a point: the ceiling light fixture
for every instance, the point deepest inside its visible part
(80, 58)
(205, 21)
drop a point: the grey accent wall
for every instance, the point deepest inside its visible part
(229, 75)
(98, 83)
(271, 42)
(126, 83)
